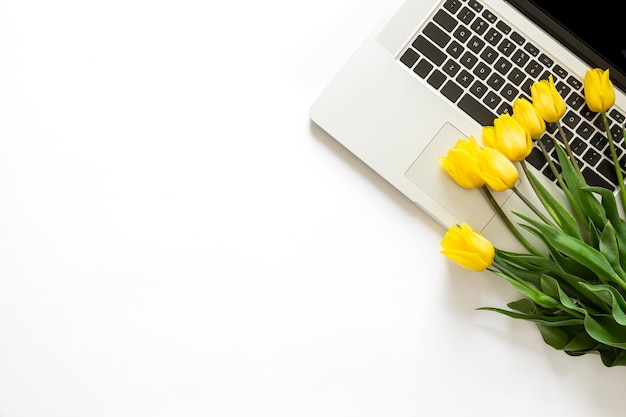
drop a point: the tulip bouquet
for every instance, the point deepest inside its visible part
(572, 270)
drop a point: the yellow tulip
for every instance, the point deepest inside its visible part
(461, 163)
(489, 136)
(496, 169)
(468, 248)
(509, 137)
(525, 113)
(547, 100)
(599, 92)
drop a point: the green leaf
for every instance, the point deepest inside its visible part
(581, 343)
(563, 262)
(576, 249)
(551, 321)
(523, 305)
(556, 337)
(551, 287)
(610, 206)
(608, 247)
(613, 298)
(606, 330)
(531, 292)
(613, 357)
(590, 206)
(560, 214)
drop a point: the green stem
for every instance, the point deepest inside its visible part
(553, 168)
(530, 205)
(568, 149)
(579, 215)
(560, 306)
(509, 224)
(618, 169)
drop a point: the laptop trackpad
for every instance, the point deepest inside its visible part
(427, 173)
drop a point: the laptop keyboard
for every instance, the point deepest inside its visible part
(481, 63)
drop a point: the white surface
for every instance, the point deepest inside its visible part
(177, 239)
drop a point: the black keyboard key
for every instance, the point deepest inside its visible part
(503, 66)
(495, 81)
(481, 70)
(575, 82)
(531, 49)
(533, 69)
(585, 130)
(599, 141)
(616, 132)
(489, 55)
(563, 88)
(423, 68)
(478, 89)
(452, 6)
(475, 5)
(445, 20)
(492, 100)
(571, 119)
(466, 15)
(506, 29)
(520, 58)
(588, 114)
(592, 156)
(578, 146)
(516, 76)
(504, 108)
(526, 85)
(465, 78)
(607, 169)
(436, 35)
(452, 91)
(451, 68)
(462, 34)
(509, 92)
(617, 116)
(468, 60)
(476, 110)
(596, 180)
(546, 60)
(575, 100)
(437, 78)
(433, 53)
(479, 26)
(506, 47)
(536, 158)
(560, 71)
(493, 36)
(489, 16)
(409, 58)
(517, 38)
(455, 49)
(476, 44)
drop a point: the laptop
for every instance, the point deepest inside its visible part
(435, 71)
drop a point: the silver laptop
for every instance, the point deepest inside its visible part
(436, 71)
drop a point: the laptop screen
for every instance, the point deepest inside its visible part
(595, 34)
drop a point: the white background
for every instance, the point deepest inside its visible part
(177, 238)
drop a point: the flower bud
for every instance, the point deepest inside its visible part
(525, 113)
(468, 248)
(547, 100)
(461, 163)
(509, 137)
(496, 170)
(599, 92)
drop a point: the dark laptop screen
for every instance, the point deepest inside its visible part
(593, 32)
